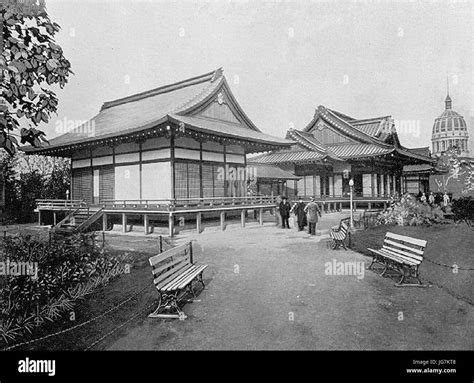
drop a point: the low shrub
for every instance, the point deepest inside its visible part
(408, 211)
(66, 270)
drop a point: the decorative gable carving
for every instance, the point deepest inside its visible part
(219, 109)
(326, 135)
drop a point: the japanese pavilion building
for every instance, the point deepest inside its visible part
(180, 141)
(175, 150)
(334, 148)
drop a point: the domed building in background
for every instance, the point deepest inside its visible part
(450, 130)
(448, 175)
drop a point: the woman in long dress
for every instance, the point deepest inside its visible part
(298, 210)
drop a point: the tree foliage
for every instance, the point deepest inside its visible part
(28, 178)
(457, 169)
(31, 62)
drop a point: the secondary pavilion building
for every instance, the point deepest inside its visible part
(178, 144)
(334, 148)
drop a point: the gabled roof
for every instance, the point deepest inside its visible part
(362, 139)
(146, 110)
(308, 141)
(377, 128)
(337, 122)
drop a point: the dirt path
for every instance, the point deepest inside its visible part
(268, 289)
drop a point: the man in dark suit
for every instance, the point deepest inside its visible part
(285, 208)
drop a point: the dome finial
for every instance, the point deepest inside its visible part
(447, 102)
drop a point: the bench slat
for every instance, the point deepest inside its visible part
(170, 275)
(195, 273)
(409, 262)
(169, 253)
(175, 282)
(399, 258)
(412, 249)
(415, 241)
(173, 263)
(402, 253)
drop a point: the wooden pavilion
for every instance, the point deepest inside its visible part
(174, 147)
(334, 148)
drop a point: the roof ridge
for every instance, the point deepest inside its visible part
(362, 120)
(210, 76)
(342, 115)
(203, 94)
(294, 134)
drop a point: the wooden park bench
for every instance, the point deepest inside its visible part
(173, 275)
(401, 254)
(338, 235)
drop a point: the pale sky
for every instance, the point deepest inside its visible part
(364, 58)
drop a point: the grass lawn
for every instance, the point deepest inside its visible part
(448, 244)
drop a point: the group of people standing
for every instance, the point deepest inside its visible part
(431, 199)
(306, 214)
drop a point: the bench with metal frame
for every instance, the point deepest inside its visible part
(338, 235)
(401, 254)
(174, 273)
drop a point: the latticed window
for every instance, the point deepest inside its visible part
(207, 181)
(181, 180)
(219, 183)
(194, 184)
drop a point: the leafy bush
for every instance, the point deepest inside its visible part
(408, 211)
(463, 209)
(66, 271)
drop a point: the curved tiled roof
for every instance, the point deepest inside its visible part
(227, 129)
(364, 140)
(347, 151)
(142, 111)
(272, 172)
(288, 157)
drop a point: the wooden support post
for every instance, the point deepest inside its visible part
(222, 220)
(260, 216)
(171, 225)
(39, 217)
(54, 218)
(104, 222)
(242, 218)
(198, 222)
(355, 205)
(340, 206)
(370, 205)
(124, 223)
(146, 223)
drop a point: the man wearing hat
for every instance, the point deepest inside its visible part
(312, 210)
(285, 208)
